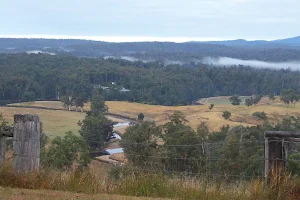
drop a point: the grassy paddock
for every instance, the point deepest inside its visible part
(55, 122)
(64, 120)
(196, 114)
(222, 100)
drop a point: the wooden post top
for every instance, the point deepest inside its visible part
(282, 134)
(26, 117)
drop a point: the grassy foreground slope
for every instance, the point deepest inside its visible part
(24, 194)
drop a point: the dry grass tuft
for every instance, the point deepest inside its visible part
(97, 179)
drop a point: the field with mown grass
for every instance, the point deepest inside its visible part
(55, 122)
(221, 100)
(195, 114)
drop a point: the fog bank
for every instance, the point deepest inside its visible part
(226, 61)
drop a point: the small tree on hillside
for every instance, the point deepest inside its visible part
(63, 152)
(68, 101)
(289, 96)
(141, 117)
(226, 115)
(256, 99)
(235, 100)
(185, 158)
(177, 118)
(211, 106)
(260, 115)
(249, 102)
(272, 97)
(96, 127)
(98, 106)
(203, 133)
(79, 101)
(140, 143)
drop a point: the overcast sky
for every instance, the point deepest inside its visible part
(151, 19)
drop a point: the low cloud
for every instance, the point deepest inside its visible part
(226, 61)
(129, 58)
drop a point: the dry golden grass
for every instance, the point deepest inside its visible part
(118, 157)
(200, 113)
(194, 114)
(55, 122)
(98, 181)
(44, 104)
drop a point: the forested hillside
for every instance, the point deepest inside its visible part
(274, 51)
(39, 76)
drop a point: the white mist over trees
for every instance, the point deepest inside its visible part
(226, 61)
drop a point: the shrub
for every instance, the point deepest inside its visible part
(226, 115)
(66, 151)
(249, 102)
(256, 99)
(141, 117)
(260, 115)
(293, 166)
(235, 100)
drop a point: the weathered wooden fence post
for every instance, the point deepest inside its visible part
(26, 143)
(276, 151)
(274, 157)
(2, 148)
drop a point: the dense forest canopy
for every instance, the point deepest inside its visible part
(41, 76)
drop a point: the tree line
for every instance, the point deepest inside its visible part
(26, 77)
(287, 96)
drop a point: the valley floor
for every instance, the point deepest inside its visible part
(57, 122)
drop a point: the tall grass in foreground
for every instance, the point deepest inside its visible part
(150, 185)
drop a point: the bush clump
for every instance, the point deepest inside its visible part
(260, 115)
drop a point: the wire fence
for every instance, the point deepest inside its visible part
(228, 160)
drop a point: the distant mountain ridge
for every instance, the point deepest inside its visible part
(168, 52)
(280, 43)
(291, 41)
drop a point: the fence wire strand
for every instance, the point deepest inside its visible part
(206, 159)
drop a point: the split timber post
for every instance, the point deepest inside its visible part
(2, 148)
(26, 143)
(276, 151)
(5, 131)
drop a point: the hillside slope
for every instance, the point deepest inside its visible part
(160, 114)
